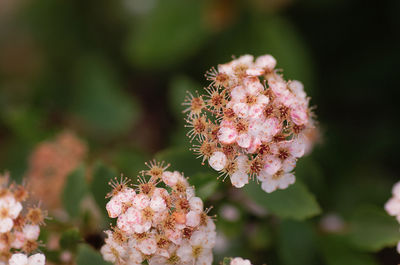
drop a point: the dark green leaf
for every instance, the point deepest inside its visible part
(297, 243)
(99, 101)
(172, 31)
(99, 185)
(88, 256)
(74, 191)
(372, 229)
(70, 239)
(338, 251)
(295, 202)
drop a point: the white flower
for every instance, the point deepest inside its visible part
(22, 259)
(396, 190)
(240, 261)
(9, 210)
(398, 247)
(240, 177)
(148, 245)
(392, 206)
(279, 180)
(218, 161)
(116, 205)
(113, 251)
(31, 232)
(18, 259)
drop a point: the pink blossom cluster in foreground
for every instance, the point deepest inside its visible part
(19, 230)
(392, 206)
(251, 122)
(161, 221)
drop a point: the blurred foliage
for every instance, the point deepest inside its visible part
(116, 73)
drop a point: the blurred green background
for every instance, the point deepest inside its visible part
(115, 74)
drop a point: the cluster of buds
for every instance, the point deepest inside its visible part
(49, 165)
(160, 221)
(19, 228)
(250, 122)
(392, 206)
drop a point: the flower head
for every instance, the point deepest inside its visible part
(160, 221)
(19, 230)
(251, 123)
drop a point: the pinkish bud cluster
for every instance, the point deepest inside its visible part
(19, 229)
(392, 206)
(251, 122)
(49, 166)
(160, 224)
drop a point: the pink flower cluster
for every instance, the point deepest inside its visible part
(162, 225)
(251, 122)
(18, 232)
(392, 206)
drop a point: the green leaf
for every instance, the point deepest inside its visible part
(172, 31)
(88, 256)
(337, 251)
(260, 238)
(99, 102)
(70, 239)
(99, 185)
(296, 244)
(295, 202)
(75, 189)
(372, 229)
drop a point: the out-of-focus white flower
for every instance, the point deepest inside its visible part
(240, 261)
(22, 259)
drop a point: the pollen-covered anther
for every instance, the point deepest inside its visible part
(204, 150)
(147, 214)
(194, 104)
(283, 154)
(156, 169)
(255, 166)
(241, 126)
(198, 125)
(217, 79)
(36, 215)
(228, 113)
(20, 193)
(118, 185)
